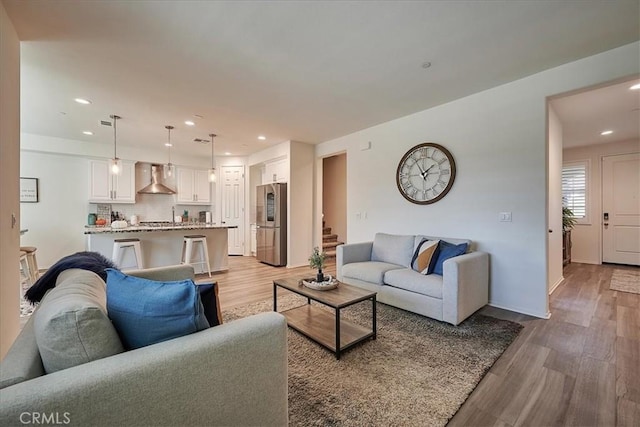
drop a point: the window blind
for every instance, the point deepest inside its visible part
(574, 189)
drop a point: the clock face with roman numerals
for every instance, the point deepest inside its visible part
(426, 173)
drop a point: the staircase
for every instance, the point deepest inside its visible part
(329, 242)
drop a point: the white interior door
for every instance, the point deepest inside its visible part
(621, 209)
(233, 206)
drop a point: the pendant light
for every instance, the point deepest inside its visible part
(212, 171)
(169, 169)
(115, 165)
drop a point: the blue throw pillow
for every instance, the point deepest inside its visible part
(447, 250)
(146, 312)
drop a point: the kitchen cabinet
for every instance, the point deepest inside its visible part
(277, 171)
(104, 187)
(194, 187)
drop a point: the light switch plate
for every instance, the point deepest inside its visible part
(505, 216)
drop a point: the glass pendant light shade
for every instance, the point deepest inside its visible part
(169, 169)
(115, 164)
(212, 170)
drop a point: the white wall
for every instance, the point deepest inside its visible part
(9, 182)
(499, 142)
(56, 223)
(301, 206)
(555, 201)
(587, 238)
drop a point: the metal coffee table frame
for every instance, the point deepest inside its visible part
(321, 326)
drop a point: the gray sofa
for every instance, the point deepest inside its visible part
(232, 374)
(384, 266)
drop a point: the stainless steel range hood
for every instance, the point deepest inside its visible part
(156, 186)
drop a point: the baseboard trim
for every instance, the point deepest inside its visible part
(558, 283)
(522, 311)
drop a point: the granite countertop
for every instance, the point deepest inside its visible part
(145, 228)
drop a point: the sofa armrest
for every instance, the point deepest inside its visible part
(233, 374)
(465, 286)
(165, 274)
(352, 252)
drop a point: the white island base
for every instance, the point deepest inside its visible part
(162, 247)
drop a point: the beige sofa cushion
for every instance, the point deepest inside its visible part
(393, 249)
(368, 271)
(71, 324)
(410, 280)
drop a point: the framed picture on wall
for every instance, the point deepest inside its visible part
(29, 190)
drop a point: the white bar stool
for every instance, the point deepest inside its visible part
(24, 267)
(32, 261)
(121, 245)
(187, 251)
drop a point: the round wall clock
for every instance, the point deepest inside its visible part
(426, 173)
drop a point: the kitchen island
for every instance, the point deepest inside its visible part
(162, 245)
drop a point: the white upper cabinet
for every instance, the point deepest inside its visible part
(277, 171)
(104, 187)
(193, 187)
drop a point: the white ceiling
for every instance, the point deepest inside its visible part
(304, 71)
(586, 114)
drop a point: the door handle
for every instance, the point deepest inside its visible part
(550, 231)
(606, 224)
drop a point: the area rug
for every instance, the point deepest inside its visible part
(418, 372)
(625, 281)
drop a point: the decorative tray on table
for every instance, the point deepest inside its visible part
(328, 283)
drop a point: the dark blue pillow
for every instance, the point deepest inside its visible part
(447, 250)
(209, 297)
(146, 312)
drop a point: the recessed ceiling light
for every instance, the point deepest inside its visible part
(82, 101)
(189, 123)
(226, 153)
(262, 137)
(635, 86)
(426, 64)
(166, 144)
(87, 132)
(606, 132)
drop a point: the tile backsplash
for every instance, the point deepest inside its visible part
(151, 207)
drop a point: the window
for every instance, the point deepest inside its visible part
(575, 189)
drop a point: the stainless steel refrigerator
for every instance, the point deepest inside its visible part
(271, 224)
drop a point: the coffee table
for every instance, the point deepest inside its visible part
(322, 326)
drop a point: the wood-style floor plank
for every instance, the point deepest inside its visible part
(579, 368)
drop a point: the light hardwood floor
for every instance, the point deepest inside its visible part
(579, 368)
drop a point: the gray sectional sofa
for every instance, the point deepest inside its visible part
(384, 266)
(232, 374)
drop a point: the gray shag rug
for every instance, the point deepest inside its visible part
(626, 280)
(418, 372)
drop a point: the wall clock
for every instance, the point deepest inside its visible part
(426, 173)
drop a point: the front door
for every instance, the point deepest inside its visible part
(621, 209)
(232, 206)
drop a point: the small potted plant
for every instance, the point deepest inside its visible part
(568, 219)
(316, 260)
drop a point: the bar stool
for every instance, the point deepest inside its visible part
(32, 261)
(24, 267)
(187, 251)
(121, 245)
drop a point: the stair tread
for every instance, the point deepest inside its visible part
(329, 237)
(331, 244)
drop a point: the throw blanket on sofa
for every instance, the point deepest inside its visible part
(92, 261)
